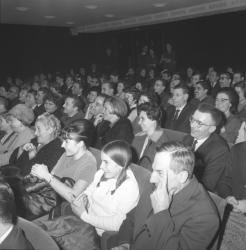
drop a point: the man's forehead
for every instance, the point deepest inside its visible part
(202, 116)
(161, 160)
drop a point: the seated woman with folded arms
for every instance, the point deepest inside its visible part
(77, 162)
(103, 205)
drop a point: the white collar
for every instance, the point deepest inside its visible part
(6, 234)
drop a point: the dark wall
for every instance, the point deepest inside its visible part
(217, 40)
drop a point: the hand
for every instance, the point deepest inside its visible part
(241, 207)
(125, 246)
(98, 119)
(41, 171)
(29, 147)
(161, 198)
(77, 205)
(234, 202)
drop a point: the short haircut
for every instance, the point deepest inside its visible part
(205, 85)
(215, 114)
(228, 75)
(184, 87)
(94, 89)
(182, 157)
(44, 90)
(77, 102)
(164, 82)
(8, 212)
(50, 121)
(110, 85)
(241, 85)
(233, 98)
(53, 98)
(134, 92)
(153, 111)
(119, 107)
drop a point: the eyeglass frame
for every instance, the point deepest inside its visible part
(199, 123)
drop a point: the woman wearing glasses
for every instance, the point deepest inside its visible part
(102, 206)
(227, 101)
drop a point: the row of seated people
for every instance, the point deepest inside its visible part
(212, 166)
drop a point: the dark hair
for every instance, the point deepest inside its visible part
(94, 89)
(77, 102)
(205, 85)
(153, 111)
(134, 92)
(215, 114)
(233, 98)
(44, 90)
(81, 130)
(182, 157)
(120, 152)
(7, 204)
(241, 85)
(164, 82)
(53, 98)
(184, 87)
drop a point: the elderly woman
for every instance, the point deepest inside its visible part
(19, 117)
(227, 101)
(45, 148)
(120, 128)
(103, 205)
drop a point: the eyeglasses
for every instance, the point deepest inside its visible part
(199, 123)
(221, 100)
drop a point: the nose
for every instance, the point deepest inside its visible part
(63, 144)
(153, 178)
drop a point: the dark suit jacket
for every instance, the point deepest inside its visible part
(160, 136)
(182, 123)
(38, 110)
(16, 240)
(236, 179)
(211, 163)
(191, 222)
(121, 130)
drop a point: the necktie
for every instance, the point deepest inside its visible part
(193, 146)
(176, 114)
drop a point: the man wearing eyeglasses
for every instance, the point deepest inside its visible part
(211, 150)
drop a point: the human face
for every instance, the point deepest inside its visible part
(13, 93)
(76, 89)
(147, 125)
(120, 87)
(240, 93)
(50, 107)
(195, 79)
(35, 86)
(222, 102)
(200, 92)
(189, 72)
(237, 78)
(143, 99)
(98, 106)
(22, 95)
(110, 168)
(69, 106)
(43, 133)
(162, 174)
(14, 123)
(201, 125)
(4, 124)
(179, 98)
(92, 96)
(107, 112)
(30, 100)
(72, 148)
(106, 89)
(129, 99)
(139, 86)
(224, 81)
(158, 87)
(40, 97)
(212, 76)
(69, 81)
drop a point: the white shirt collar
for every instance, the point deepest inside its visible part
(6, 234)
(200, 142)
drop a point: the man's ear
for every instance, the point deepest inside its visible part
(183, 175)
(212, 129)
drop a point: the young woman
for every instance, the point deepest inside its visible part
(227, 101)
(103, 205)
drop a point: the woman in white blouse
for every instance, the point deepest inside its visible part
(103, 205)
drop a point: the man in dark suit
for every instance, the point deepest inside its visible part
(11, 235)
(178, 214)
(211, 150)
(39, 109)
(177, 116)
